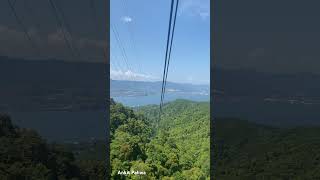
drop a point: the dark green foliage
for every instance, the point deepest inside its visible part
(249, 151)
(25, 155)
(119, 115)
(177, 149)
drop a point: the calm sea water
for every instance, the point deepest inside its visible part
(78, 126)
(82, 126)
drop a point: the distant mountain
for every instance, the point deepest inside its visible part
(247, 82)
(142, 88)
(51, 73)
(272, 99)
(237, 83)
(51, 85)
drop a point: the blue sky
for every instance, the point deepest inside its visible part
(142, 27)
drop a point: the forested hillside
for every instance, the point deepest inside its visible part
(176, 149)
(25, 155)
(245, 150)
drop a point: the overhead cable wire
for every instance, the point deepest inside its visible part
(32, 13)
(67, 27)
(123, 46)
(122, 49)
(14, 2)
(169, 56)
(60, 24)
(120, 45)
(131, 37)
(22, 26)
(166, 59)
(115, 59)
(94, 17)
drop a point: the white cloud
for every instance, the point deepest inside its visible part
(200, 8)
(126, 19)
(48, 45)
(14, 42)
(57, 37)
(129, 75)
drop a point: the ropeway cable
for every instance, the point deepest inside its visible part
(168, 52)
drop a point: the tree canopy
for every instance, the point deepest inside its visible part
(25, 155)
(176, 149)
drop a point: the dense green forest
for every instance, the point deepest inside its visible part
(25, 155)
(244, 150)
(177, 148)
